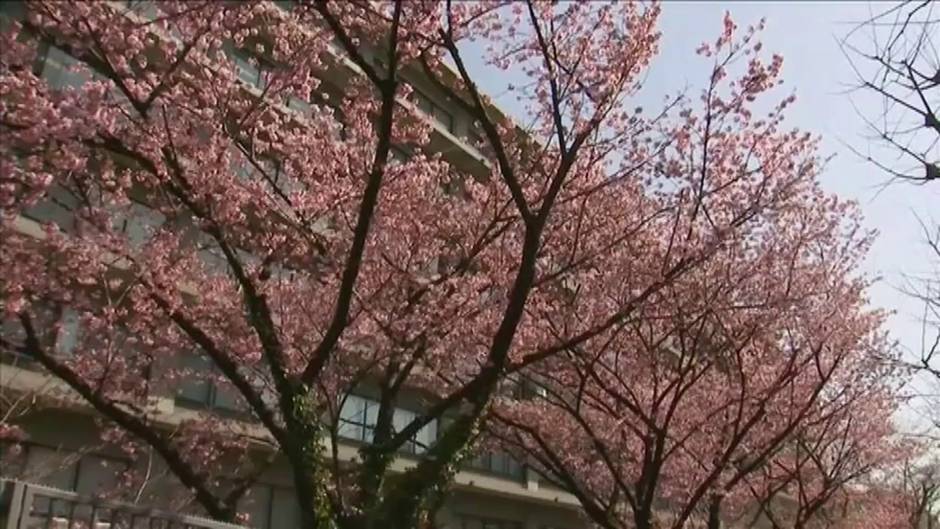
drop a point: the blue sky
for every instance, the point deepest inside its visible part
(806, 34)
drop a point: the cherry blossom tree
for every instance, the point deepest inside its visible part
(903, 499)
(739, 367)
(174, 203)
(915, 487)
(833, 467)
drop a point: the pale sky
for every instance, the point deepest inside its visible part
(806, 34)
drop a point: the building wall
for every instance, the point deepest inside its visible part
(64, 448)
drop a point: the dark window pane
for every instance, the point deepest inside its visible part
(98, 475)
(194, 386)
(51, 467)
(352, 418)
(227, 397)
(61, 70)
(285, 511)
(256, 504)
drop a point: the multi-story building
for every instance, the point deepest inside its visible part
(64, 447)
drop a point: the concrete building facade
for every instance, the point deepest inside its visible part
(64, 447)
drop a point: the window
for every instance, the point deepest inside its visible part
(60, 326)
(247, 171)
(97, 475)
(64, 469)
(68, 332)
(523, 387)
(256, 503)
(422, 440)
(285, 511)
(248, 69)
(243, 169)
(286, 5)
(146, 9)
(212, 257)
(432, 109)
(61, 70)
(267, 172)
(397, 155)
(357, 418)
(53, 468)
(299, 105)
(57, 206)
(209, 253)
(10, 11)
(477, 522)
(137, 223)
(357, 422)
(499, 463)
(198, 388)
(474, 138)
(277, 176)
(425, 437)
(325, 103)
(271, 507)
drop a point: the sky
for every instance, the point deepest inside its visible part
(815, 68)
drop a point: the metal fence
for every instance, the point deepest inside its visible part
(30, 506)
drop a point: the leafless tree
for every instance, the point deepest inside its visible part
(894, 55)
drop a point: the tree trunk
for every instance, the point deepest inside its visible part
(714, 512)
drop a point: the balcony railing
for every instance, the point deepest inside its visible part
(30, 506)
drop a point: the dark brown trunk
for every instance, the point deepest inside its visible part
(714, 512)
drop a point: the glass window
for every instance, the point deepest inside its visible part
(57, 206)
(61, 70)
(257, 505)
(474, 137)
(354, 419)
(371, 414)
(285, 185)
(246, 171)
(194, 386)
(242, 167)
(432, 109)
(210, 254)
(13, 10)
(138, 224)
(226, 397)
(270, 507)
(425, 437)
(10, 11)
(499, 463)
(68, 332)
(523, 387)
(398, 155)
(478, 522)
(400, 419)
(50, 323)
(481, 461)
(357, 421)
(299, 105)
(53, 468)
(98, 475)
(198, 387)
(146, 9)
(285, 511)
(12, 331)
(444, 117)
(248, 69)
